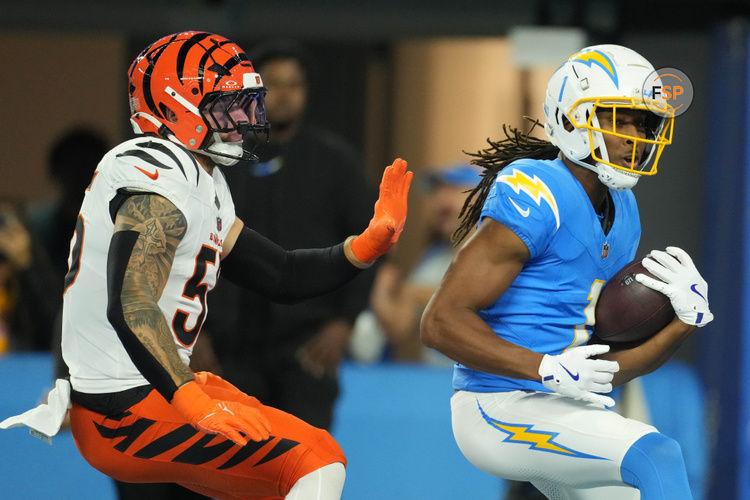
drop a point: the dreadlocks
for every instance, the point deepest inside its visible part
(515, 146)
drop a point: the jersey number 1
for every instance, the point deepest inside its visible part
(581, 332)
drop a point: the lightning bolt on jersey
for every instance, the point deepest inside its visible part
(549, 307)
(91, 348)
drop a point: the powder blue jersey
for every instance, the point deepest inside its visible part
(550, 306)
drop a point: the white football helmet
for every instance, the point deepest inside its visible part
(609, 77)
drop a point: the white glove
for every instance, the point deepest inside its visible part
(679, 280)
(573, 374)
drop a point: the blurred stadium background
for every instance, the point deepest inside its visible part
(425, 80)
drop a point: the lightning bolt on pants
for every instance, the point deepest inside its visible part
(566, 448)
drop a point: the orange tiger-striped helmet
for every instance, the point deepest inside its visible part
(189, 85)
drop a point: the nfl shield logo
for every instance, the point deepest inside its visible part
(605, 251)
(218, 223)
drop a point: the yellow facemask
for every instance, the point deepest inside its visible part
(661, 135)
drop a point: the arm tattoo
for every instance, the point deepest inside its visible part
(161, 226)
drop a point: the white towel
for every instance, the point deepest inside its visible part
(45, 420)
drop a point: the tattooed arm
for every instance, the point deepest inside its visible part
(147, 230)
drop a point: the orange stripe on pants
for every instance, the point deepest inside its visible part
(154, 443)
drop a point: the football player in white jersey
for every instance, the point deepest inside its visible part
(156, 225)
(515, 309)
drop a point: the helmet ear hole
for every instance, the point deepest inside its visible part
(168, 113)
(566, 124)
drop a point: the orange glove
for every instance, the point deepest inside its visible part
(390, 214)
(228, 418)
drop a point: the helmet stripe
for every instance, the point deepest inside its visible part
(226, 68)
(182, 54)
(147, 92)
(153, 57)
(235, 60)
(204, 60)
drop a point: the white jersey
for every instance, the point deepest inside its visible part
(91, 348)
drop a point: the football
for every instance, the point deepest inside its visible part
(628, 311)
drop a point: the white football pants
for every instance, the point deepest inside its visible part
(325, 483)
(568, 449)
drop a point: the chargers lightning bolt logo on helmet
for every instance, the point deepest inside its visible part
(592, 57)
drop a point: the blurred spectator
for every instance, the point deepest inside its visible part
(397, 301)
(72, 161)
(308, 191)
(27, 287)
(71, 164)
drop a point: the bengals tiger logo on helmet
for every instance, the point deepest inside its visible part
(188, 85)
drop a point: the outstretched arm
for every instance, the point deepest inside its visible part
(285, 276)
(255, 262)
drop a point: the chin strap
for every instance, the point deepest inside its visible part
(225, 153)
(616, 179)
(222, 153)
(610, 176)
(228, 153)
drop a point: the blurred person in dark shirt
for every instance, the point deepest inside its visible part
(72, 161)
(308, 190)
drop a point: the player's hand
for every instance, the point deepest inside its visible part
(15, 240)
(324, 351)
(228, 418)
(573, 374)
(679, 280)
(390, 214)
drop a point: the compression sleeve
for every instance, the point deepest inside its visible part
(285, 276)
(120, 248)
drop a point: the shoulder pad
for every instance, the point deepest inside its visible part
(523, 178)
(153, 156)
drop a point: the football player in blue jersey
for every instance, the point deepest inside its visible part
(516, 308)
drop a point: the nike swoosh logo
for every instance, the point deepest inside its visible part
(574, 377)
(693, 288)
(524, 213)
(153, 176)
